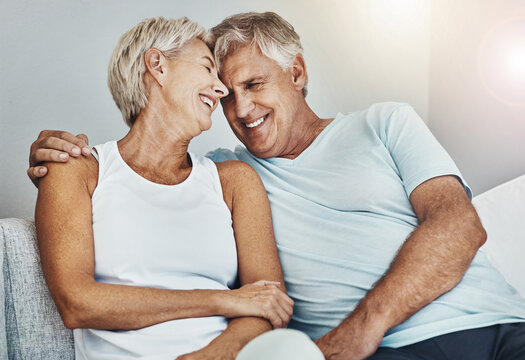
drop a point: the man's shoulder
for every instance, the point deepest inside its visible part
(388, 117)
(221, 154)
(378, 113)
(385, 110)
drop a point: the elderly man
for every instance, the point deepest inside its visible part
(375, 229)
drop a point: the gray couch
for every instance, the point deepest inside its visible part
(33, 328)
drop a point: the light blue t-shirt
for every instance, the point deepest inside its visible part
(341, 211)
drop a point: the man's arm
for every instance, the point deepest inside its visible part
(431, 262)
(54, 146)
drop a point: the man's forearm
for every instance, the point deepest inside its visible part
(431, 262)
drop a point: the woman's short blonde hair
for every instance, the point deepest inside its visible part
(274, 36)
(127, 66)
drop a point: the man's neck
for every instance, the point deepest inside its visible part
(309, 126)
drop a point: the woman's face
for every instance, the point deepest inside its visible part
(193, 89)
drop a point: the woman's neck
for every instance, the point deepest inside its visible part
(156, 150)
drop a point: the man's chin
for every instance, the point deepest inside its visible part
(260, 153)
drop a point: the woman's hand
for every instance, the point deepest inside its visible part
(263, 299)
(54, 146)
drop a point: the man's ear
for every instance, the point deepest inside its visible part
(156, 64)
(299, 72)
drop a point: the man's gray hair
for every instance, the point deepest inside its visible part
(274, 36)
(127, 65)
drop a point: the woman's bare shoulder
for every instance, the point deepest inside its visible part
(234, 167)
(81, 170)
(236, 172)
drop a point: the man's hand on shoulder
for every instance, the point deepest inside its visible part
(54, 146)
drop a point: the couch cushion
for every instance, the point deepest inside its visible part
(502, 212)
(3, 334)
(34, 329)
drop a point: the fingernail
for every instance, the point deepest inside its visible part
(75, 151)
(86, 150)
(62, 156)
(41, 170)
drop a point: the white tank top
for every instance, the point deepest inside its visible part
(162, 236)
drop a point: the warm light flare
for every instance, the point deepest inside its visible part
(516, 63)
(501, 61)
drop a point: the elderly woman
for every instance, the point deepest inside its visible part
(142, 243)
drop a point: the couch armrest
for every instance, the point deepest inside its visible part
(501, 211)
(34, 329)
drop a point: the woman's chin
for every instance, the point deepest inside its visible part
(206, 126)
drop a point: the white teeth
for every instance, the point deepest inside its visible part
(256, 123)
(206, 101)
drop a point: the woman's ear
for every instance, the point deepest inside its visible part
(299, 72)
(155, 64)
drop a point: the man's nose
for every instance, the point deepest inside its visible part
(243, 105)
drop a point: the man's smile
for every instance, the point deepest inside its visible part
(257, 122)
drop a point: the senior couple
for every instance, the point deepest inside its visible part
(154, 252)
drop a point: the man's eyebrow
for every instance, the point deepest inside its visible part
(254, 79)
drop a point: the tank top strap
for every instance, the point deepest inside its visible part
(209, 167)
(94, 153)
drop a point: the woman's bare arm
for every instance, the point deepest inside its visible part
(64, 226)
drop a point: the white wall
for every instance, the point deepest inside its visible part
(477, 87)
(54, 56)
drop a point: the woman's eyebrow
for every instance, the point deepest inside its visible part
(206, 57)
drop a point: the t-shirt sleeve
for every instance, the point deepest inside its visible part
(221, 154)
(415, 151)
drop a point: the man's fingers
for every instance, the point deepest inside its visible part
(42, 155)
(84, 138)
(68, 143)
(62, 145)
(83, 144)
(35, 173)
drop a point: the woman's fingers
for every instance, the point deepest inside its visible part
(276, 306)
(266, 282)
(264, 299)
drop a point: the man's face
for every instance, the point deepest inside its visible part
(262, 103)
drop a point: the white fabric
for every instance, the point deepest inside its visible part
(502, 212)
(162, 236)
(281, 344)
